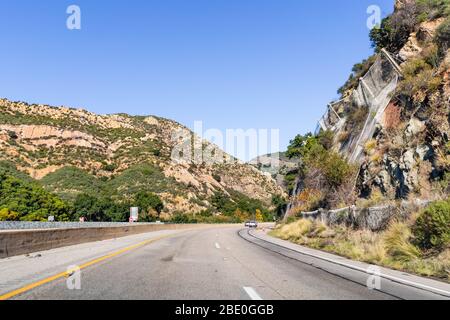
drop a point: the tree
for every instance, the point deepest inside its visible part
(148, 201)
(90, 207)
(28, 201)
(394, 31)
(280, 204)
(259, 216)
(100, 209)
(300, 145)
(8, 215)
(223, 203)
(326, 139)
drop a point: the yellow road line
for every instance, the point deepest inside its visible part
(32, 286)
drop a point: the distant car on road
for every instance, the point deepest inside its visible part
(251, 224)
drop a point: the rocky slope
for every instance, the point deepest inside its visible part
(71, 151)
(409, 155)
(277, 165)
(406, 155)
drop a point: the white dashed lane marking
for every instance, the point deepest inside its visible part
(252, 293)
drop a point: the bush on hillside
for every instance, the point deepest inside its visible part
(419, 80)
(8, 215)
(30, 201)
(321, 168)
(358, 71)
(432, 9)
(394, 31)
(300, 145)
(432, 228)
(280, 205)
(68, 182)
(238, 202)
(356, 118)
(308, 200)
(333, 166)
(443, 36)
(100, 209)
(147, 202)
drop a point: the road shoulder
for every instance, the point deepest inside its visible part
(396, 283)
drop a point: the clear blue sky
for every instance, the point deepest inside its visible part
(230, 63)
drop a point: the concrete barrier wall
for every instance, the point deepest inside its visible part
(18, 242)
(374, 218)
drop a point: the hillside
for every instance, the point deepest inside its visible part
(286, 167)
(374, 180)
(389, 132)
(72, 152)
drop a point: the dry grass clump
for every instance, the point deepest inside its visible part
(376, 197)
(392, 248)
(370, 146)
(300, 230)
(397, 243)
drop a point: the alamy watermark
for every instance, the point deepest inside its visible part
(73, 21)
(374, 280)
(374, 19)
(73, 281)
(206, 146)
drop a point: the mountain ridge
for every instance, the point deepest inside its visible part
(123, 152)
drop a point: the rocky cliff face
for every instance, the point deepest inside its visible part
(45, 141)
(408, 154)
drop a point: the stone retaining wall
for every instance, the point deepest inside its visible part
(375, 218)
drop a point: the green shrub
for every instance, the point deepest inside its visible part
(394, 31)
(30, 201)
(356, 118)
(290, 179)
(230, 204)
(8, 215)
(431, 9)
(432, 228)
(333, 166)
(419, 80)
(68, 182)
(443, 36)
(109, 167)
(10, 169)
(301, 145)
(147, 202)
(101, 209)
(280, 204)
(180, 219)
(358, 70)
(326, 139)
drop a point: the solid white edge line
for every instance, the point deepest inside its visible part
(252, 293)
(382, 275)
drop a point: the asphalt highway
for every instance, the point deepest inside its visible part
(215, 263)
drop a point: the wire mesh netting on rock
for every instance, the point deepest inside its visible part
(374, 92)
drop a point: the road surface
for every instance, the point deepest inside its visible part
(214, 263)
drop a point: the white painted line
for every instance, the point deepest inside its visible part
(217, 245)
(252, 293)
(350, 266)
